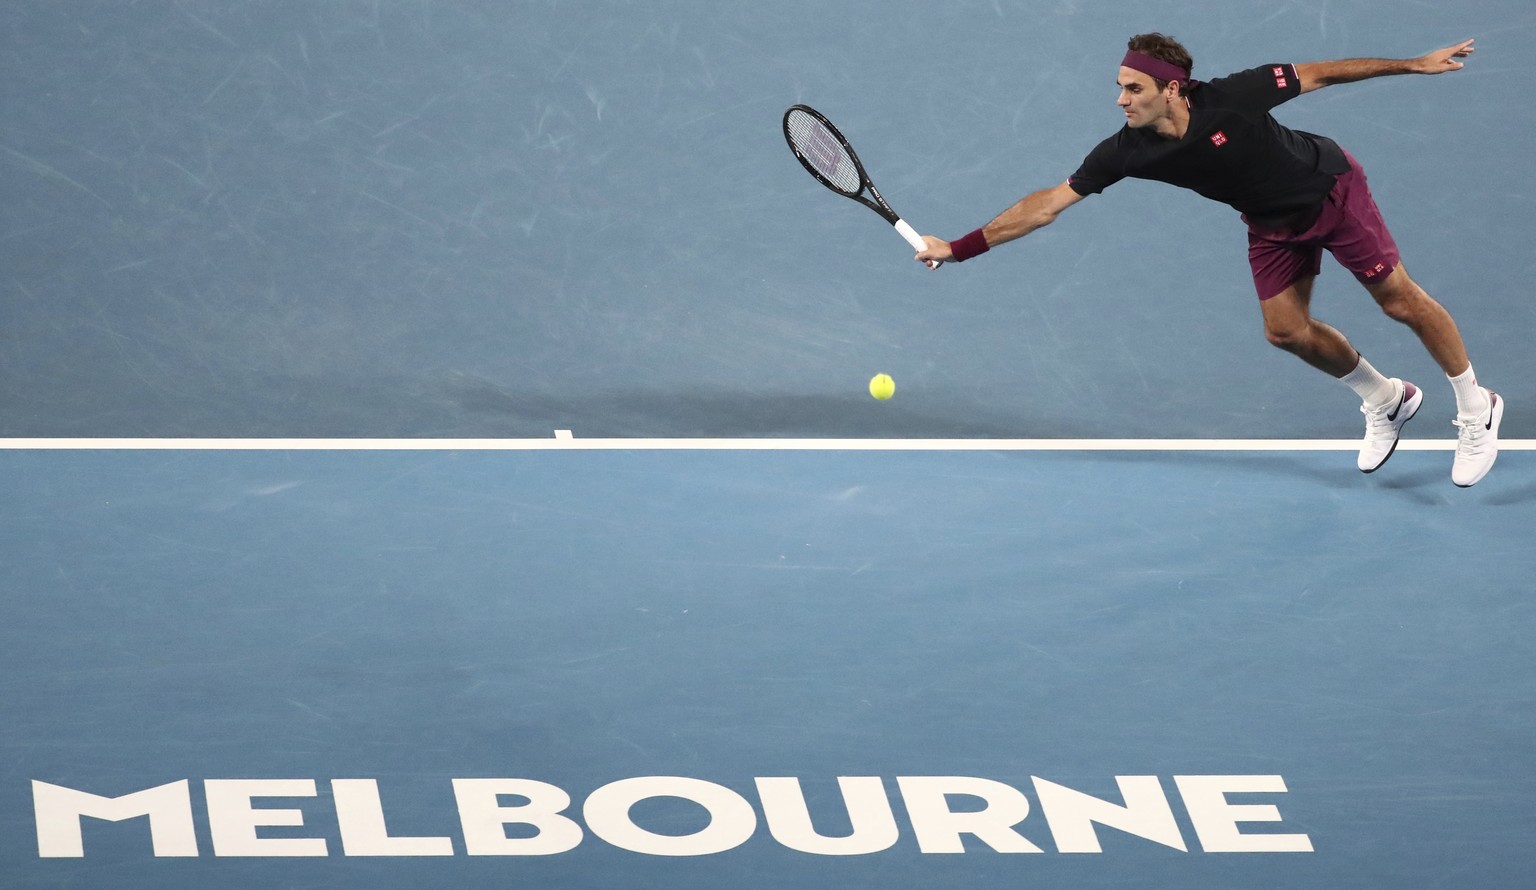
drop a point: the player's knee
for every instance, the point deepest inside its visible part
(1406, 303)
(1403, 310)
(1401, 298)
(1288, 338)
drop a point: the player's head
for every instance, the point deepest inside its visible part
(1160, 48)
(1154, 72)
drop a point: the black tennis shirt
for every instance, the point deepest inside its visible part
(1234, 151)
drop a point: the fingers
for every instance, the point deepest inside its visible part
(937, 252)
(1446, 59)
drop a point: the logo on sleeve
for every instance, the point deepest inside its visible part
(1280, 80)
(1219, 139)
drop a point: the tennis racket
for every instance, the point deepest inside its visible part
(826, 155)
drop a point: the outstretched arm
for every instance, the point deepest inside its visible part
(1316, 75)
(1029, 213)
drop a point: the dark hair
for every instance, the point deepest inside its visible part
(1164, 48)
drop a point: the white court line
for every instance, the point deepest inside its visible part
(564, 441)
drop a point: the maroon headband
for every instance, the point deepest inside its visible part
(1156, 67)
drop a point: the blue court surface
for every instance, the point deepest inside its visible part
(435, 452)
(584, 619)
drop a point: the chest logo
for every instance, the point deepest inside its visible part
(1219, 139)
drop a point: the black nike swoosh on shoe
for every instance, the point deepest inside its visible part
(1493, 399)
(1400, 400)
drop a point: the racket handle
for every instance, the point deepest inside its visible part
(913, 238)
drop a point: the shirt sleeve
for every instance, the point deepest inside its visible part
(1263, 87)
(1101, 169)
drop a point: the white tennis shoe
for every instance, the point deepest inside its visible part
(1478, 445)
(1382, 425)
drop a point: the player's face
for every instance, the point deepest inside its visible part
(1143, 103)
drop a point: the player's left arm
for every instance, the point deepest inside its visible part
(1316, 75)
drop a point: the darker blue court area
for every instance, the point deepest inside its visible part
(486, 218)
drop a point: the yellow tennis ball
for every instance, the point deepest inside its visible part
(882, 387)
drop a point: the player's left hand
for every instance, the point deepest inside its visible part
(1441, 61)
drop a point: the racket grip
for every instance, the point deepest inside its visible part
(913, 238)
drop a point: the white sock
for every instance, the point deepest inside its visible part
(1470, 401)
(1373, 389)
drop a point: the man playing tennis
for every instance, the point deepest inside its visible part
(1300, 194)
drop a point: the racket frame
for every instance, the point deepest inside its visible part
(879, 204)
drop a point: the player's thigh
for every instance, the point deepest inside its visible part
(1278, 263)
(1397, 290)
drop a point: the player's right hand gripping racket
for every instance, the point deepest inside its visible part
(826, 154)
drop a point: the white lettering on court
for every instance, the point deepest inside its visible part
(525, 817)
(58, 811)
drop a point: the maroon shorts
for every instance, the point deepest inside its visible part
(1349, 226)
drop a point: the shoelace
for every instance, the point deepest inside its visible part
(1473, 432)
(1376, 422)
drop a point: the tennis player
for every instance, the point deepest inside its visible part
(1299, 194)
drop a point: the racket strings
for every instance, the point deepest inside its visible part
(824, 152)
